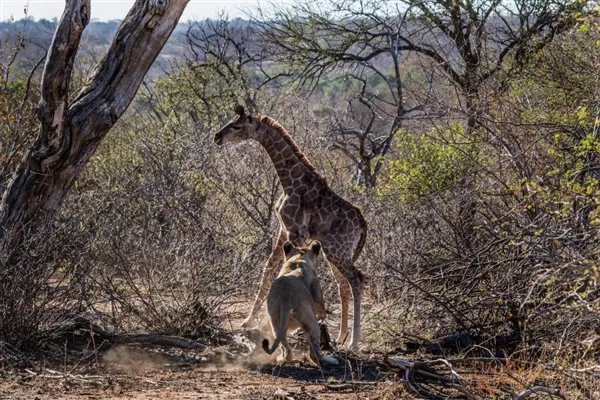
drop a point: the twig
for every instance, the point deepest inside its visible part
(347, 385)
(538, 389)
(587, 369)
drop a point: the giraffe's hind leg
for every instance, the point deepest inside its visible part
(357, 284)
(354, 280)
(269, 271)
(343, 267)
(344, 292)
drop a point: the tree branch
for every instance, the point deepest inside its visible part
(57, 71)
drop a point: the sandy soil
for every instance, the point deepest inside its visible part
(135, 373)
(238, 370)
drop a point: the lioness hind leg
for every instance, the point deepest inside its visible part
(313, 335)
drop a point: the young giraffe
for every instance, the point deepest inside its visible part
(308, 209)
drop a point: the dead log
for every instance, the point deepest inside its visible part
(157, 340)
(86, 329)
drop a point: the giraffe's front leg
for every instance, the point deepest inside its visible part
(270, 269)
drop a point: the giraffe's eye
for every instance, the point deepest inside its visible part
(236, 128)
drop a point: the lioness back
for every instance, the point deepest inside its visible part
(292, 300)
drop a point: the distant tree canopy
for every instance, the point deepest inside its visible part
(465, 43)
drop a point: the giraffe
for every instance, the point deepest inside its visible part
(308, 209)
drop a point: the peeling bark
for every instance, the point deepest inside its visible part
(70, 133)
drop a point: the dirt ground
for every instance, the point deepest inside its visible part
(129, 372)
(237, 370)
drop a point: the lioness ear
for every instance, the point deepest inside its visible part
(316, 248)
(239, 110)
(287, 247)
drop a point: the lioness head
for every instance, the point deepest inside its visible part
(307, 255)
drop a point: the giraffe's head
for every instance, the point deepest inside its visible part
(240, 128)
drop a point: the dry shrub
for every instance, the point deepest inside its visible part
(525, 279)
(42, 289)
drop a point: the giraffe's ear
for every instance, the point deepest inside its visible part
(316, 248)
(287, 247)
(239, 110)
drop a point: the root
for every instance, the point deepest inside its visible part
(427, 379)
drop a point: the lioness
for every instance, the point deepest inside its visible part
(296, 300)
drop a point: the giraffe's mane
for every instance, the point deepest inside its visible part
(290, 141)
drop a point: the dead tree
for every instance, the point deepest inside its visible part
(72, 128)
(231, 52)
(473, 41)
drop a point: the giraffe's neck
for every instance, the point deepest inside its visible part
(290, 169)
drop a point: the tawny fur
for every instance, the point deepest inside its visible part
(296, 301)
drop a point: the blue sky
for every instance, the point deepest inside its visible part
(117, 9)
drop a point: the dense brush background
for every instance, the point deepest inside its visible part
(482, 236)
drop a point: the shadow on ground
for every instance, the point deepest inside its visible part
(351, 368)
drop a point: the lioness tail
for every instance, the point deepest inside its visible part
(281, 331)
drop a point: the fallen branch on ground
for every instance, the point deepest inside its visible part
(354, 385)
(419, 374)
(158, 340)
(51, 374)
(100, 335)
(46, 373)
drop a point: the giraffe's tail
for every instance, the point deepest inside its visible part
(363, 234)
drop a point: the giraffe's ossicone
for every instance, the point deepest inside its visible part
(308, 209)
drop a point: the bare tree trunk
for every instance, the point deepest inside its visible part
(71, 130)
